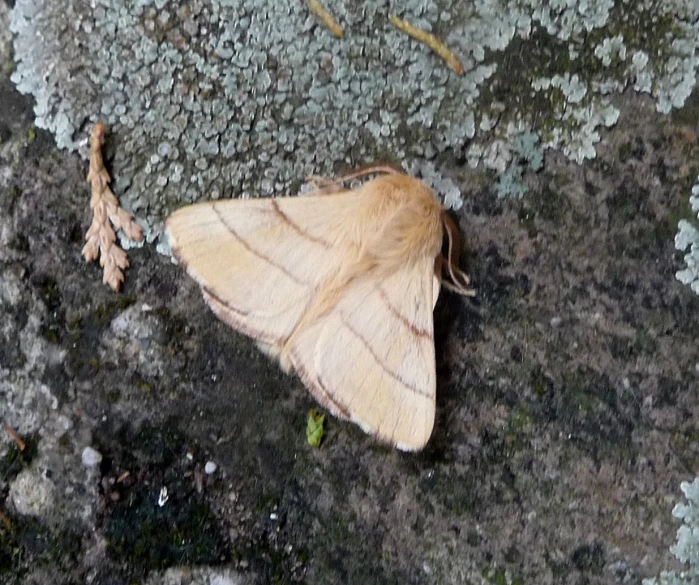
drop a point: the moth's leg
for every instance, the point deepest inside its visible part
(324, 186)
(437, 279)
(459, 280)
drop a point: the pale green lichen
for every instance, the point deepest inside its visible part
(688, 237)
(527, 155)
(686, 549)
(215, 98)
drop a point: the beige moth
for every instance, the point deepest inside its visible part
(339, 285)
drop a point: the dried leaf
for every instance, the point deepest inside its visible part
(105, 209)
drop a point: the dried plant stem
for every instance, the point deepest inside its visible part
(105, 209)
(326, 18)
(21, 445)
(431, 41)
(6, 522)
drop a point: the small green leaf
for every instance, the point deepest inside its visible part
(314, 427)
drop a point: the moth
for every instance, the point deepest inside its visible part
(339, 285)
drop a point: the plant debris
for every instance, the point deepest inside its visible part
(101, 238)
(431, 41)
(326, 18)
(314, 427)
(21, 445)
(6, 522)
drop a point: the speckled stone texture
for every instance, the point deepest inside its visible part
(567, 389)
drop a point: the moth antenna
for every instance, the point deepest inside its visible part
(373, 169)
(459, 280)
(330, 185)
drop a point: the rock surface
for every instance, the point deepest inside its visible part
(566, 413)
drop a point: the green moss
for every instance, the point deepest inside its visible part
(53, 324)
(161, 445)
(548, 204)
(84, 334)
(544, 55)
(456, 492)
(144, 386)
(683, 443)
(589, 559)
(629, 150)
(689, 114)
(520, 419)
(500, 576)
(600, 419)
(559, 570)
(113, 396)
(149, 536)
(627, 349)
(8, 198)
(16, 460)
(665, 228)
(31, 545)
(104, 314)
(540, 382)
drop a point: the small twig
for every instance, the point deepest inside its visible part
(6, 521)
(326, 18)
(105, 208)
(431, 41)
(21, 445)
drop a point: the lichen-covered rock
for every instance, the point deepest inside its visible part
(218, 99)
(566, 398)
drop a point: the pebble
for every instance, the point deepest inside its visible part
(210, 467)
(91, 457)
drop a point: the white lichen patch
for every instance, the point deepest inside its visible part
(611, 48)
(687, 237)
(686, 549)
(215, 99)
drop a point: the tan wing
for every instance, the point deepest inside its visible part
(259, 262)
(371, 359)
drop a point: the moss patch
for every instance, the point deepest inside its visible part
(29, 545)
(84, 337)
(148, 528)
(149, 536)
(53, 325)
(16, 460)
